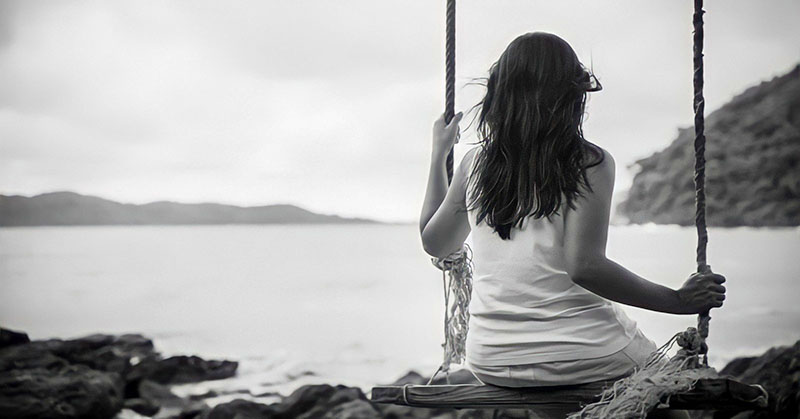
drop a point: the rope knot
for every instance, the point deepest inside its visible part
(452, 261)
(692, 343)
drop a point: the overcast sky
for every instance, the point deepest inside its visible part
(329, 104)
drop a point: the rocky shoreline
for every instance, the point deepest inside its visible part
(108, 376)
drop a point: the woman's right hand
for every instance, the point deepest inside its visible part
(445, 135)
(701, 292)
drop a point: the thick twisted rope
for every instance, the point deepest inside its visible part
(700, 161)
(456, 268)
(450, 75)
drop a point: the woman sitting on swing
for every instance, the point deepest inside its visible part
(536, 196)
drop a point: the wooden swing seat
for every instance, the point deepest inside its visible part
(707, 394)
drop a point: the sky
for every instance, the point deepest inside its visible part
(329, 104)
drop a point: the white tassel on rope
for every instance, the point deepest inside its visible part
(457, 281)
(651, 386)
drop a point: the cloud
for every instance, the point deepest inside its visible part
(325, 104)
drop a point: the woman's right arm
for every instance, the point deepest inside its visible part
(585, 236)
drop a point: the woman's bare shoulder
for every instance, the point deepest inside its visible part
(601, 167)
(468, 160)
(598, 160)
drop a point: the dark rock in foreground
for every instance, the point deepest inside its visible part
(311, 401)
(183, 369)
(95, 377)
(778, 371)
(65, 391)
(158, 398)
(340, 402)
(10, 337)
(752, 169)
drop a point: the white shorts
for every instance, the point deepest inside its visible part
(579, 371)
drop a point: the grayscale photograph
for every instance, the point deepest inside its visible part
(400, 209)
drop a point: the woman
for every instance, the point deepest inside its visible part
(536, 196)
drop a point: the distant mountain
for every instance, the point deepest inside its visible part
(68, 208)
(753, 164)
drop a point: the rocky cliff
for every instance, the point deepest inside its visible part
(753, 168)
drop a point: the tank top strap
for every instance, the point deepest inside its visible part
(471, 170)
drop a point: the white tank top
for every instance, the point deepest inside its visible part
(525, 309)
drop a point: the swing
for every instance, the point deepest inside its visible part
(683, 382)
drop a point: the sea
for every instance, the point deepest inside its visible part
(348, 304)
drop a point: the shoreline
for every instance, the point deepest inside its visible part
(124, 376)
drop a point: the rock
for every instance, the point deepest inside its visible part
(258, 394)
(753, 164)
(307, 402)
(100, 352)
(340, 395)
(117, 354)
(183, 369)
(305, 399)
(354, 409)
(241, 409)
(411, 377)
(341, 402)
(169, 404)
(778, 371)
(159, 394)
(38, 381)
(208, 394)
(92, 375)
(61, 392)
(738, 366)
(11, 337)
(403, 412)
(29, 356)
(142, 406)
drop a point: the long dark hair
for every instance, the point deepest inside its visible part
(533, 154)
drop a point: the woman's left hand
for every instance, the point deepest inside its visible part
(445, 135)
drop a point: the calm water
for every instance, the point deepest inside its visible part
(347, 304)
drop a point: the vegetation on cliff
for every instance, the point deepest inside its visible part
(752, 169)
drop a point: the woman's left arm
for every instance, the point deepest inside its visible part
(443, 223)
